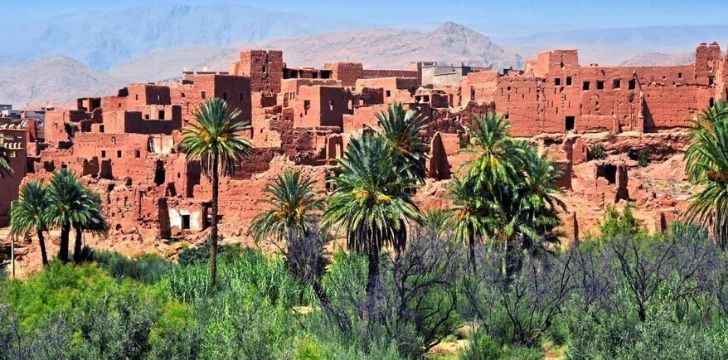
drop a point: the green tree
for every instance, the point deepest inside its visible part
(30, 212)
(94, 222)
(372, 202)
(468, 215)
(706, 164)
(294, 209)
(508, 194)
(402, 129)
(68, 206)
(216, 139)
(5, 169)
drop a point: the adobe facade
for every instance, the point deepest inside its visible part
(125, 145)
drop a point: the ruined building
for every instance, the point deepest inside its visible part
(125, 145)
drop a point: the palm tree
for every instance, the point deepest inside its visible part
(68, 206)
(498, 155)
(372, 202)
(468, 215)
(5, 168)
(30, 212)
(94, 222)
(539, 204)
(294, 206)
(402, 130)
(707, 166)
(216, 140)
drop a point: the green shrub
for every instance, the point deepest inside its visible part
(596, 152)
(147, 268)
(201, 254)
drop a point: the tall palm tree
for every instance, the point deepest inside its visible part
(498, 155)
(402, 130)
(95, 222)
(5, 169)
(372, 202)
(707, 166)
(30, 212)
(539, 203)
(216, 140)
(468, 215)
(293, 209)
(68, 206)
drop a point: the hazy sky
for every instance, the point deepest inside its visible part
(505, 16)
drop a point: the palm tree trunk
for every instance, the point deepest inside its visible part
(373, 275)
(41, 242)
(213, 222)
(63, 251)
(77, 246)
(471, 247)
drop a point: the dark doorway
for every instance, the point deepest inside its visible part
(159, 173)
(185, 222)
(608, 172)
(569, 123)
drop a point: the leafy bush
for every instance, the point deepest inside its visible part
(200, 254)
(146, 268)
(596, 152)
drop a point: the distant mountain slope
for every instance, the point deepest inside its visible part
(612, 46)
(376, 48)
(103, 39)
(659, 59)
(51, 80)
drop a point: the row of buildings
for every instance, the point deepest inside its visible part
(125, 144)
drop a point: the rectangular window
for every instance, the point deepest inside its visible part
(103, 154)
(568, 81)
(569, 123)
(632, 84)
(137, 154)
(600, 84)
(557, 81)
(616, 84)
(203, 94)
(585, 86)
(118, 154)
(161, 115)
(389, 93)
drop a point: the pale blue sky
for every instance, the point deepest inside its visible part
(520, 16)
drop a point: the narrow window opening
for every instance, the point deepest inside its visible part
(306, 106)
(389, 93)
(161, 115)
(557, 81)
(103, 154)
(711, 102)
(118, 154)
(568, 81)
(600, 84)
(616, 84)
(632, 84)
(101, 128)
(137, 154)
(203, 94)
(585, 86)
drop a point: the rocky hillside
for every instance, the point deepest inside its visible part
(376, 48)
(659, 59)
(52, 80)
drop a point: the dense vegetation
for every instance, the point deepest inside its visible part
(490, 270)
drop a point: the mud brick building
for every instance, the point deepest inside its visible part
(125, 145)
